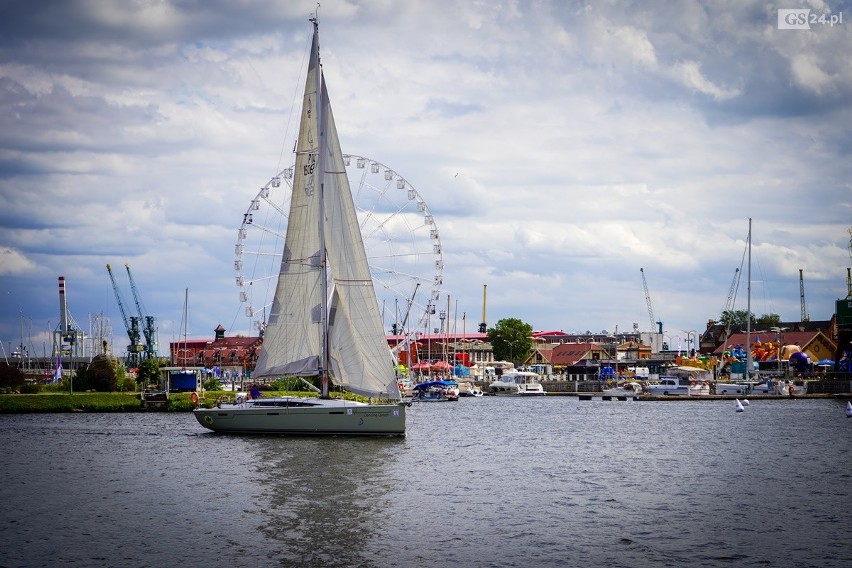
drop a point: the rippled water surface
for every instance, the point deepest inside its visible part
(492, 481)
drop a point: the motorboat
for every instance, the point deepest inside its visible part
(624, 390)
(406, 387)
(669, 386)
(779, 388)
(682, 381)
(436, 391)
(732, 388)
(517, 383)
(467, 388)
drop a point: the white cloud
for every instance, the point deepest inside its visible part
(688, 73)
(807, 73)
(14, 262)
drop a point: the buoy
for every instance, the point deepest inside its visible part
(738, 407)
(849, 410)
(745, 402)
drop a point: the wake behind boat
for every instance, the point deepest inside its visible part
(324, 321)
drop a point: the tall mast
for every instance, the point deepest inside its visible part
(322, 124)
(748, 308)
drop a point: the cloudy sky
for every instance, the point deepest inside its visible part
(560, 146)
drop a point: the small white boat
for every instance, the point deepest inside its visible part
(731, 388)
(467, 388)
(779, 388)
(406, 387)
(849, 410)
(738, 407)
(627, 389)
(679, 386)
(669, 386)
(517, 383)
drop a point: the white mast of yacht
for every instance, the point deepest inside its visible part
(748, 308)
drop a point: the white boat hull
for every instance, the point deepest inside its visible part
(517, 392)
(731, 388)
(305, 416)
(668, 390)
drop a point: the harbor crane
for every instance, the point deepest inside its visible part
(732, 292)
(654, 323)
(131, 324)
(149, 329)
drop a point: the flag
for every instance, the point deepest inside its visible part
(57, 374)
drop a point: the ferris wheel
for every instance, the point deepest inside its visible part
(400, 237)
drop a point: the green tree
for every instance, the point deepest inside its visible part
(148, 372)
(769, 319)
(10, 377)
(511, 339)
(80, 378)
(734, 318)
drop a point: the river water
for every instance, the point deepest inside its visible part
(490, 482)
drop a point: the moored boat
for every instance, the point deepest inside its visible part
(779, 388)
(517, 383)
(669, 386)
(626, 389)
(732, 388)
(467, 388)
(436, 391)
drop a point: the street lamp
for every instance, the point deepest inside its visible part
(511, 349)
(689, 341)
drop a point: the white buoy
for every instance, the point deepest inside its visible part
(849, 410)
(738, 407)
(745, 402)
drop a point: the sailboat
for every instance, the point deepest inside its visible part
(325, 319)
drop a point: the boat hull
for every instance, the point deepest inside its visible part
(305, 418)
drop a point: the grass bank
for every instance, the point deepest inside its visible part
(113, 401)
(88, 402)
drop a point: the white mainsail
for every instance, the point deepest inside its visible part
(356, 352)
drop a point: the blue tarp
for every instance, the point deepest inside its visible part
(461, 371)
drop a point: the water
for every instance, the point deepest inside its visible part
(486, 482)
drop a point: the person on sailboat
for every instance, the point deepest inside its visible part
(255, 392)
